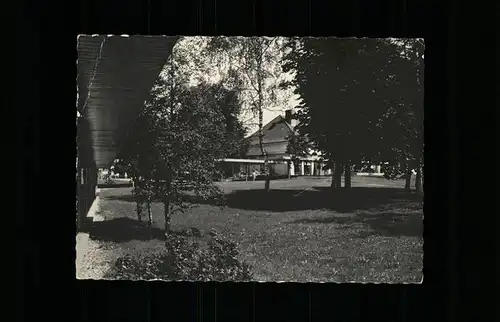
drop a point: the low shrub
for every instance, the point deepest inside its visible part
(394, 172)
(140, 267)
(184, 259)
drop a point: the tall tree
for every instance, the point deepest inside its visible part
(342, 84)
(228, 103)
(139, 157)
(402, 124)
(259, 72)
(191, 138)
(179, 137)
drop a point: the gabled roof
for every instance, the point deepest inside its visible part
(275, 130)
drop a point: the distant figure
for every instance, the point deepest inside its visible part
(254, 175)
(125, 175)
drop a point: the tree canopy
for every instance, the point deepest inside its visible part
(179, 136)
(361, 99)
(258, 76)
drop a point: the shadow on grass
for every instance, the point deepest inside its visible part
(85, 225)
(390, 224)
(123, 230)
(317, 198)
(125, 197)
(281, 200)
(127, 229)
(114, 185)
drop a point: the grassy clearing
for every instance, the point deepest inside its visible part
(299, 231)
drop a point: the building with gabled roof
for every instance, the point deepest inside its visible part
(275, 142)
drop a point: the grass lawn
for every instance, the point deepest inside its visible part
(299, 231)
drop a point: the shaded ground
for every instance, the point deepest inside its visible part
(299, 231)
(123, 229)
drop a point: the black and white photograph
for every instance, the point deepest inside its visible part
(268, 159)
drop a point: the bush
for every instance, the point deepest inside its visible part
(367, 169)
(140, 266)
(184, 259)
(394, 172)
(108, 179)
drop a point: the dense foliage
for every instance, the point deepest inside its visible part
(184, 259)
(256, 76)
(361, 100)
(297, 147)
(181, 133)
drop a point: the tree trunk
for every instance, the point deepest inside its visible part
(139, 201)
(347, 175)
(138, 206)
(407, 177)
(150, 216)
(268, 174)
(260, 108)
(418, 179)
(166, 213)
(166, 199)
(336, 175)
(264, 153)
